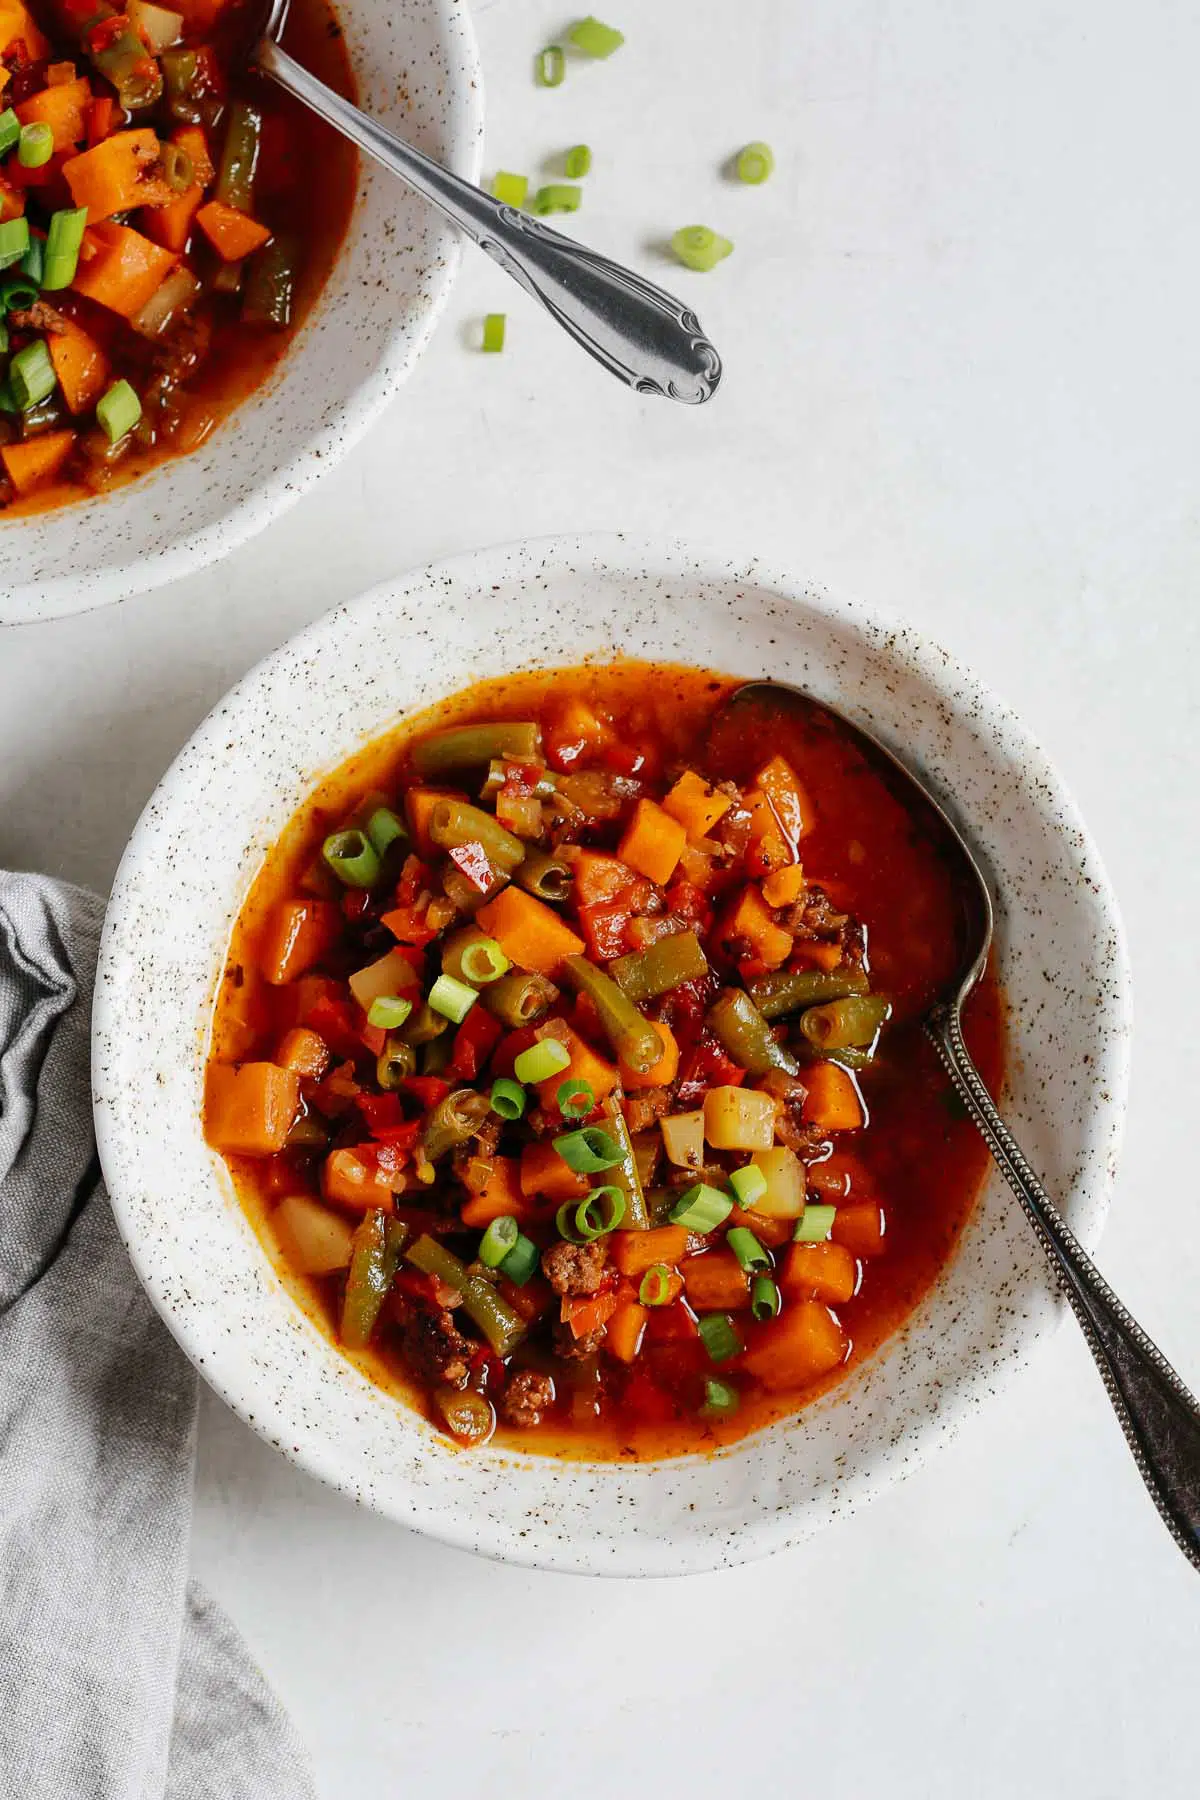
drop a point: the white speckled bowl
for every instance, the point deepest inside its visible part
(188, 868)
(418, 70)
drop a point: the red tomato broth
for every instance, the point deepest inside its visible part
(919, 1156)
(305, 185)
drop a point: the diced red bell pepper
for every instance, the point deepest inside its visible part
(389, 1158)
(604, 928)
(355, 903)
(506, 1053)
(624, 759)
(588, 1312)
(751, 968)
(380, 1110)
(707, 1066)
(415, 877)
(471, 861)
(474, 1042)
(689, 903)
(335, 1021)
(373, 1036)
(407, 925)
(427, 1090)
(521, 779)
(99, 114)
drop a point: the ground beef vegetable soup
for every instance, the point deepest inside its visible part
(166, 219)
(567, 1059)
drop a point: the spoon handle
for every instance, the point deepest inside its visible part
(1160, 1418)
(648, 339)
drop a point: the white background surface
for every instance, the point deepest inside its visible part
(960, 330)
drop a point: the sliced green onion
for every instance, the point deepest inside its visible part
(755, 163)
(63, 241)
(482, 961)
(384, 829)
(564, 1222)
(118, 411)
(33, 263)
(510, 189)
(765, 1301)
(31, 375)
(508, 1098)
(550, 65)
(747, 1249)
(588, 1151)
(14, 241)
(350, 854)
(10, 130)
(600, 1213)
(577, 162)
(721, 1400)
(17, 292)
(498, 1240)
(389, 1010)
(719, 1336)
(575, 1100)
(655, 1289)
(814, 1224)
(701, 1208)
(3, 336)
(7, 403)
(748, 1184)
(452, 998)
(698, 247)
(521, 1261)
(595, 39)
(542, 1060)
(493, 332)
(557, 196)
(35, 146)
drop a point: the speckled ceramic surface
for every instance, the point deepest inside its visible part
(187, 871)
(417, 70)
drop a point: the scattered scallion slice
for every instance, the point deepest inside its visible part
(452, 998)
(556, 197)
(747, 1249)
(583, 1220)
(594, 38)
(508, 188)
(719, 1336)
(577, 162)
(765, 1300)
(498, 1241)
(508, 1098)
(35, 146)
(575, 1099)
(385, 828)
(14, 241)
(33, 263)
(31, 375)
(10, 130)
(118, 411)
(483, 961)
(542, 1060)
(17, 291)
(389, 1011)
(588, 1151)
(550, 66)
(493, 332)
(701, 1208)
(721, 1400)
(656, 1285)
(521, 1261)
(350, 854)
(699, 247)
(755, 163)
(814, 1224)
(63, 241)
(748, 1184)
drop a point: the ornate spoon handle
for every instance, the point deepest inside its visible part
(1158, 1415)
(647, 338)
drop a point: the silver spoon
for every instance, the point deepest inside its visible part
(648, 339)
(1160, 1418)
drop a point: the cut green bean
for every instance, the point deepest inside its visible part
(453, 823)
(546, 874)
(786, 991)
(645, 974)
(394, 1064)
(624, 1174)
(454, 1120)
(742, 1031)
(239, 156)
(635, 1040)
(849, 1024)
(518, 999)
(500, 1324)
(473, 746)
(374, 1259)
(269, 290)
(425, 1025)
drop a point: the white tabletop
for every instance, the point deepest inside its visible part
(960, 330)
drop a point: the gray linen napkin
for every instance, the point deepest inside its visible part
(119, 1680)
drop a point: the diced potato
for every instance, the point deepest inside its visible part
(784, 1172)
(314, 1240)
(739, 1119)
(683, 1135)
(392, 974)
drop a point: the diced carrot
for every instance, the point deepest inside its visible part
(633, 1252)
(771, 1232)
(715, 1281)
(825, 1272)
(100, 115)
(528, 931)
(171, 224)
(118, 174)
(544, 1173)
(16, 21)
(696, 804)
(304, 1051)
(665, 1069)
(747, 924)
(232, 234)
(605, 929)
(495, 1184)
(585, 1065)
(784, 886)
(12, 201)
(862, 1229)
(653, 842)
(598, 878)
(833, 1101)
(768, 848)
(818, 955)
(63, 108)
(802, 1344)
(37, 460)
(586, 1313)
(626, 1329)
(79, 363)
(249, 1107)
(123, 269)
(298, 934)
(356, 1181)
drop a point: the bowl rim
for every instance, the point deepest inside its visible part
(619, 554)
(90, 589)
